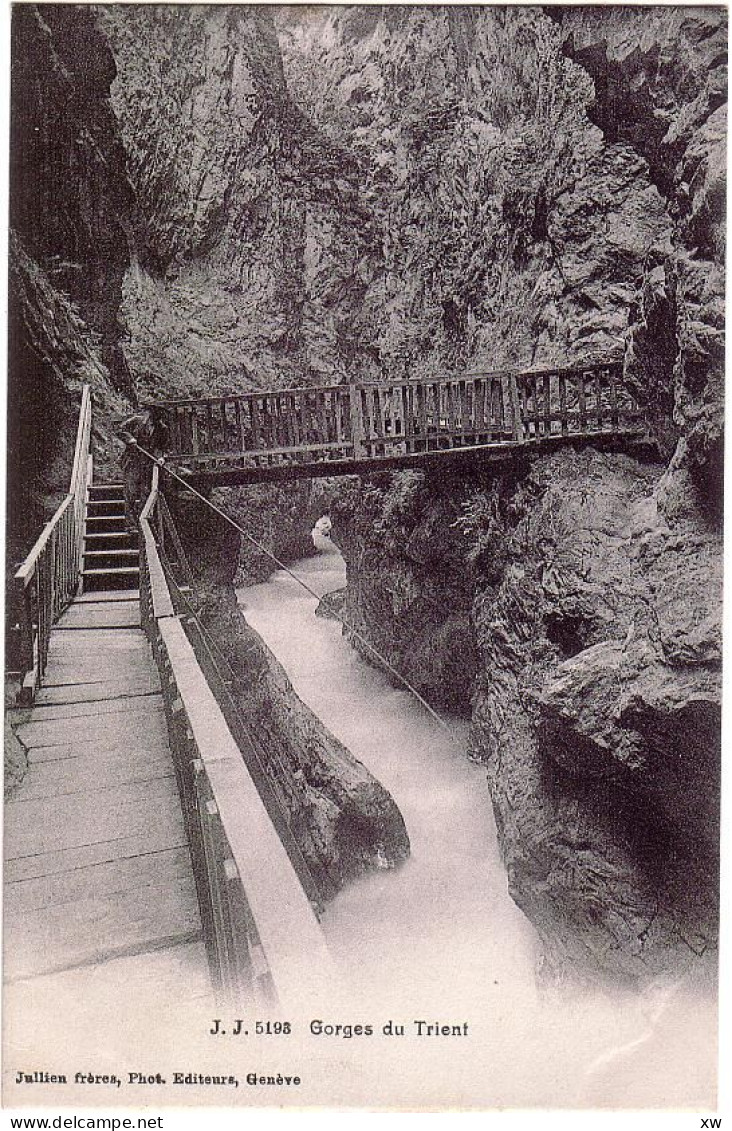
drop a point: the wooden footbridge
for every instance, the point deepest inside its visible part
(347, 429)
(148, 822)
(146, 829)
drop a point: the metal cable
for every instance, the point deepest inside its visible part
(281, 565)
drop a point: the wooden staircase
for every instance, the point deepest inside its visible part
(111, 556)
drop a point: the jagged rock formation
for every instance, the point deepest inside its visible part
(344, 821)
(69, 203)
(509, 229)
(80, 229)
(325, 193)
(410, 583)
(597, 712)
(237, 189)
(70, 197)
(661, 87)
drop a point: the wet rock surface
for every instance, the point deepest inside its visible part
(409, 584)
(599, 721)
(344, 821)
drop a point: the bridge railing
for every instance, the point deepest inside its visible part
(262, 937)
(337, 422)
(574, 402)
(365, 421)
(49, 577)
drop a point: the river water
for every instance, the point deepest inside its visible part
(440, 939)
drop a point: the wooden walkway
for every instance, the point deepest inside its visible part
(97, 864)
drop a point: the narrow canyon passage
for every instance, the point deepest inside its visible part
(440, 939)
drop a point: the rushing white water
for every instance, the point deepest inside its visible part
(440, 938)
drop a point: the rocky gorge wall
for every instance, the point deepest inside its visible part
(555, 193)
(319, 194)
(69, 204)
(86, 223)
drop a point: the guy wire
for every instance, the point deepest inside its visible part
(281, 565)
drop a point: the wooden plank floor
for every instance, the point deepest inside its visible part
(97, 866)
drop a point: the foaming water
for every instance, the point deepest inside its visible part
(440, 939)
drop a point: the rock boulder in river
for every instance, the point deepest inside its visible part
(343, 820)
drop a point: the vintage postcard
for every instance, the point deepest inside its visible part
(364, 556)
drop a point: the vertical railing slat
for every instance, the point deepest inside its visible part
(547, 405)
(563, 419)
(614, 416)
(421, 393)
(598, 397)
(356, 415)
(514, 397)
(581, 401)
(255, 425)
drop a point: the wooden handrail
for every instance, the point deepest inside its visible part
(290, 390)
(26, 570)
(48, 579)
(152, 498)
(311, 429)
(81, 450)
(285, 954)
(568, 370)
(262, 936)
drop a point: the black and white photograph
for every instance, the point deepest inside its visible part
(364, 556)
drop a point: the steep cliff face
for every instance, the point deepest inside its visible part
(554, 191)
(232, 180)
(410, 581)
(69, 203)
(510, 230)
(660, 81)
(70, 197)
(597, 711)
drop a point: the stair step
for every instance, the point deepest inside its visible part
(124, 577)
(98, 507)
(125, 552)
(106, 524)
(110, 559)
(113, 569)
(112, 533)
(116, 489)
(107, 595)
(109, 540)
(110, 583)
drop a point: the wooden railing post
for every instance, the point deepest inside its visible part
(26, 647)
(356, 414)
(516, 420)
